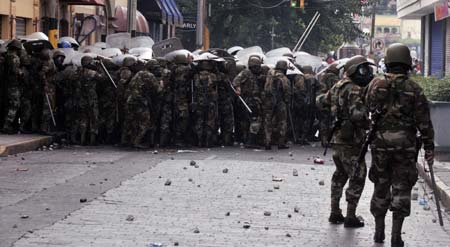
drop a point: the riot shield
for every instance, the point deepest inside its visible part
(162, 48)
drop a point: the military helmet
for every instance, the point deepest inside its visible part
(307, 69)
(254, 61)
(180, 59)
(58, 53)
(352, 64)
(281, 65)
(129, 61)
(151, 65)
(239, 67)
(333, 68)
(15, 44)
(398, 53)
(206, 64)
(162, 62)
(86, 60)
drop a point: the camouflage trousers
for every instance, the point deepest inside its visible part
(13, 105)
(206, 123)
(326, 124)
(136, 125)
(344, 158)
(394, 174)
(226, 116)
(47, 125)
(250, 124)
(181, 122)
(275, 118)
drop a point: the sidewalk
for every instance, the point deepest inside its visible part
(442, 175)
(13, 144)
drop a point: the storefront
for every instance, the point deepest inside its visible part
(435, 39)
(163, 17)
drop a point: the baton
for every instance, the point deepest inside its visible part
(107, 73)
(50, 107)
(436, 193)
(241, 99)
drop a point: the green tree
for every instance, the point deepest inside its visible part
(250, 22)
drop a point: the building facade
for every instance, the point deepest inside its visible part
(88, 20)
(435, 34)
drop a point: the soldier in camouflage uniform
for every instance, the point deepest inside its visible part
(246, 85)
(14, 73)
(299, 94)
(182, 74)
(26, 95)
(327, 81)
(405, 112)
(165, 103)
(311, 88)
(70, 85)
(225, 101)
(205, 106)
(47, 80)
(107, 105)
(89, 77)
(276, 100)
(58, 59)
(3, 86)
(347, 106)
(143, 86)
(124, 74)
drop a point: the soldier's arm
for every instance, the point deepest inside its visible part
(238, 81)
(359, 113)
(423, 120)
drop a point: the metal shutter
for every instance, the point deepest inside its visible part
(437, 48)
(21, 27)
(447, 49)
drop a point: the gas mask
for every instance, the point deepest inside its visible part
(363, 75)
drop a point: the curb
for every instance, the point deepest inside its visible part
(25, 146)
(441, 187)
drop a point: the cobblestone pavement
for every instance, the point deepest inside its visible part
(178, 204)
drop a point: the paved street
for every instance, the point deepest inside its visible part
(130, 201)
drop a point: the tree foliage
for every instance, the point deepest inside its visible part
(250, 22)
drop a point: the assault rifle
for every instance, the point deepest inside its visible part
(375, 120)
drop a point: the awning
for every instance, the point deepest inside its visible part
(177, 16)
(163, 11)
(84, 2)
(120, 23)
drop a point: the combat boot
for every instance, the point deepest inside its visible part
(336, 216)
(379, 229)
(227, 140)
(396, 236)
(164, 140)
(93, 139)
(351, 220)
(252, 141)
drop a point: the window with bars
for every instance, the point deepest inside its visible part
(21, 27)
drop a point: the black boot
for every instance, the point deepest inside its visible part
(353, 221)
(396, 236)
(336, 216)
(379, 229)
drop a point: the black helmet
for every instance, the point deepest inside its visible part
(352, 65)
(333, 69)
(307, 69)
(398, 53)
(281, 65)
(15, 44)
(86, 61)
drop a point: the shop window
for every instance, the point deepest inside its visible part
(386, 30)
(394, 30)
(379, 30)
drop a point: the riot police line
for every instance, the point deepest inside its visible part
(132, 97)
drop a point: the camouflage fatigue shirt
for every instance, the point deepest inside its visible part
(347, 105)
(247, 82)
(405, 110)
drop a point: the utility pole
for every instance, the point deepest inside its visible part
(272, 36)
(372, 30)
(131, 17)
(200, 22)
